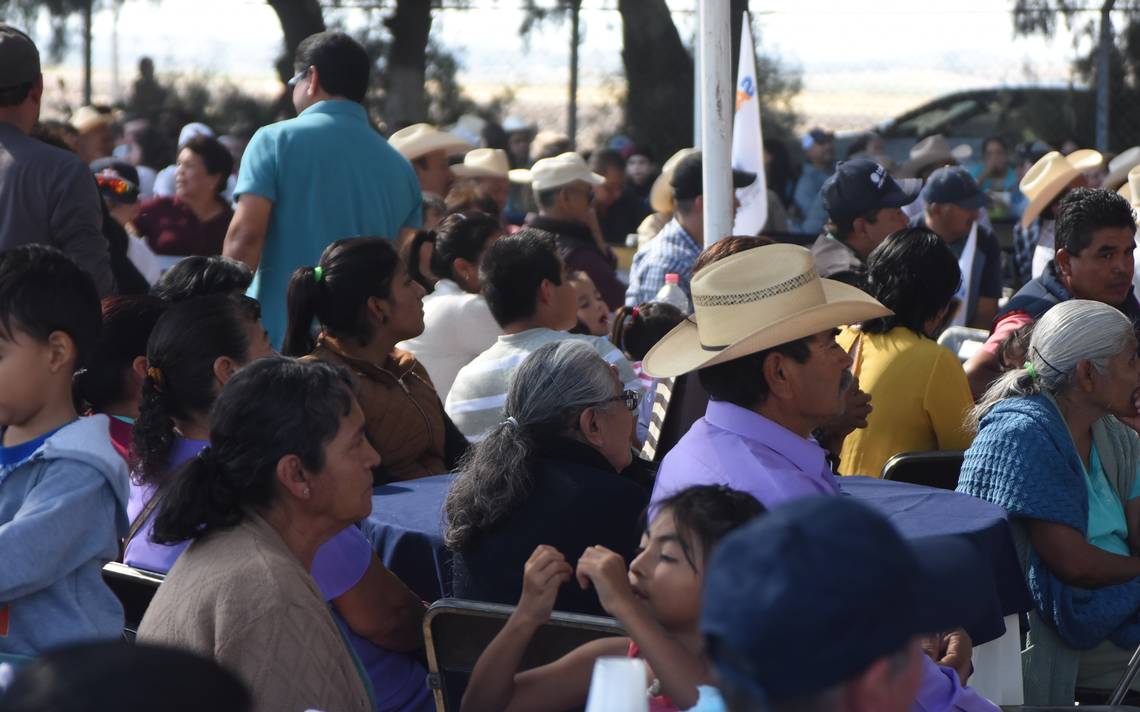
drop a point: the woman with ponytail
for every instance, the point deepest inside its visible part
(364, 301)
(1056, 450)
(458, 325)
(194, 348)
(288, 469)
(550, 473)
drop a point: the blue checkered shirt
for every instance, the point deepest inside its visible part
(673, 250)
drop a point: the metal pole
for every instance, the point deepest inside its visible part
(716, 118)
(87, 51)
(572, 109)
(115, 7)
(1103, 70)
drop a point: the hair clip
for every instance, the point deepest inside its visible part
(318, 274)
(154, 373)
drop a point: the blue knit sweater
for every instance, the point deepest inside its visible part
(1024, 460)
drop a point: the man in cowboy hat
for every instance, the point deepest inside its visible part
(819, 152)
(1095, 238)
(1044, 185)
(762, 340)
(324, 175)
(864, 205)
(953, 198)
(488, 169)
(619, 209)
(676, 247)
(428, 149)
(564, 188)
(47, 195)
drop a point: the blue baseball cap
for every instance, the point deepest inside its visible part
(859, 186)
(808, 595)
(955, 185)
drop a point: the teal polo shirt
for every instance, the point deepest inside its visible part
(330, 175)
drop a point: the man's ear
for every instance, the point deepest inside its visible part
(1063, 259)
(546, 292)
(776, 375)
(314, 86)
(61, 351)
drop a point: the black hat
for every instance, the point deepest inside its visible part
(19, 58)
(859, 186)
(955, 185)
(688, 175)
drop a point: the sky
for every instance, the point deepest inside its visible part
(884, 54)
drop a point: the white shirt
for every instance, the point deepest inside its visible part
(457, 327)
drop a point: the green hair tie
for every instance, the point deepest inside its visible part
(318, 274)
(1031, 370)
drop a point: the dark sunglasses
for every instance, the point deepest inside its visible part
(631, 399)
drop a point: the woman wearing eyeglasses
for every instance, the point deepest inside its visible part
(556, 471)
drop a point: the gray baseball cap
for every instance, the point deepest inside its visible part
(19, 58)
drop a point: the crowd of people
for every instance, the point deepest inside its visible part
(207, 368)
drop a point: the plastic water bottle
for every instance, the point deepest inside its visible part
(671, 293)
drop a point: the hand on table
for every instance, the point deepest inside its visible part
(545, 571)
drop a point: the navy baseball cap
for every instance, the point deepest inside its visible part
(955, 185)
(808, 595)
(859, 186)
(689, 174)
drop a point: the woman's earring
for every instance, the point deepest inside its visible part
(306, 491)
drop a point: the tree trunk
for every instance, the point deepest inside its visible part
(299, 19)
(659, 76)
(410, 26)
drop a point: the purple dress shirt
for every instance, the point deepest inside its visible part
(941, 691)
(742, 449)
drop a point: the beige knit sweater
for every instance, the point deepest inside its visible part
(242, 598)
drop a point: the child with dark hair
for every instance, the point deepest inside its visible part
(365, 300)
(593, 314)
(658, 601)
(199, 276)
(112, 382)
(63, 488)
(635, 331)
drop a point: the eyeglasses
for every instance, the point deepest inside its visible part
(631, 399)
(298, 77)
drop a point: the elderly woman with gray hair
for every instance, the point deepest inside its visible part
(550, 473)
(1056, 450)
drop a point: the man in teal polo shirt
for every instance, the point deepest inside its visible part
(323, 176)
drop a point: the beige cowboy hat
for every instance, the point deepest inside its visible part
(1119, 168)
(87, 118)
(563, 169)
(661, 194)
(932, 151)
(755, 300)
(1050, 175)
(483, 163)
(421, 139)
(1130, 191)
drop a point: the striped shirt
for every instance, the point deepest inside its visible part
(475, 402)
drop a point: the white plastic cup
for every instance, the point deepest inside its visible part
(618, 685)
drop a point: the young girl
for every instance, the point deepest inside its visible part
(635, 331)
(658, 602)
(593, 314)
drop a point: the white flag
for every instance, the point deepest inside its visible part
(747, 140)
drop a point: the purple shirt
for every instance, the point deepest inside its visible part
(743, 450)
(941, 691)
(141, 552)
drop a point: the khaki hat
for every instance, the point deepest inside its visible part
(421, 139)
(1131, 188)
(932, 151)
(752, 301)
(563, 169)
(88, 118)
(19, 58)
(661, 194)
(1050, 175)
(1119, 168)
(483, 163)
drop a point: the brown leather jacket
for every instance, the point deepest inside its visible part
(402, 412)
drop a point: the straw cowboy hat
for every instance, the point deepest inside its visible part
(1050, 175)
(932, 151)
(483, 163)
(755, 300)
(563, 169)
(661, 194)
(1119, 168)
(421, 139)
(1131, 188)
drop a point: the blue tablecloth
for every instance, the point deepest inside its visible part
(405, 530)
(923, 511)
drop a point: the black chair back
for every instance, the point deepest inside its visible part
(134, 588)
(933, 468)
(458, 631)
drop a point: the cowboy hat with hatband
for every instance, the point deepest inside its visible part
(1050, 175)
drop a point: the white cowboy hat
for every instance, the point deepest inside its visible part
(661, 194)
(421, 139)
(563, 169)
(1050, 175)
(752, 301)
(1119, 167)
(1131, 188)
(932, 151)
(483, 163)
